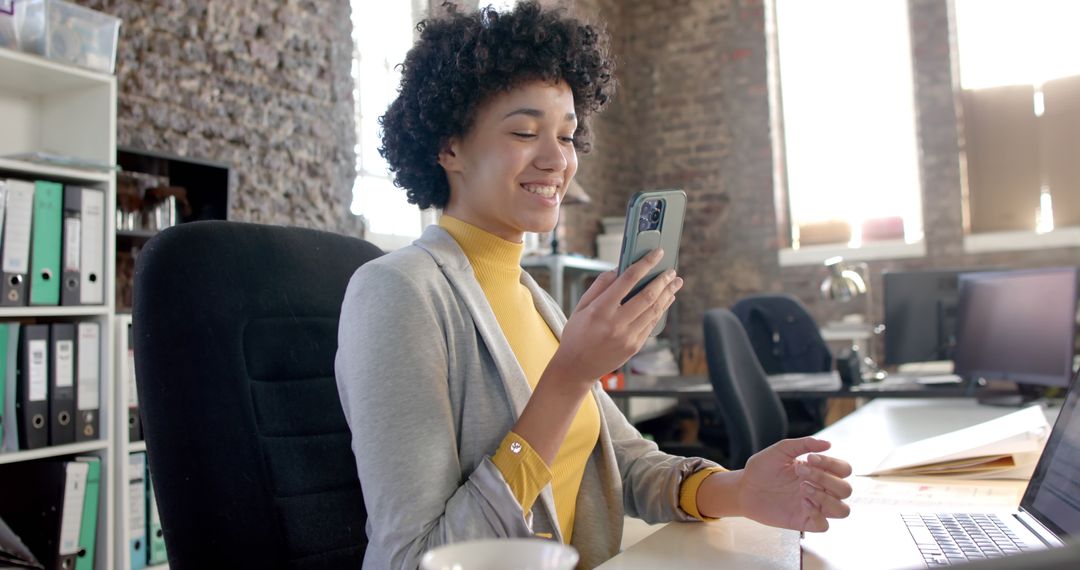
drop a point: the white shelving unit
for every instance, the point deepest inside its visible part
(124, 446)
(51, 107)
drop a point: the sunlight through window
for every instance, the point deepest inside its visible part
(849, 119)
(382, 35)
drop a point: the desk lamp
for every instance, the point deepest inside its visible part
(575, 194)
(846, 282)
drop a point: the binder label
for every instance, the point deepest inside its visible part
(39, 370)
(65, 363)
(73, 234)
(74, 495)
(20, 204)
(89, 384)
(136, 495)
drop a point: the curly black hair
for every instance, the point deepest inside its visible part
(462, 60)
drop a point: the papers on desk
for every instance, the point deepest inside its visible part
(823, 381)
(929, 493)
(1004, 448)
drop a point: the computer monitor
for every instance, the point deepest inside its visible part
(1018, 326)
(920, 315)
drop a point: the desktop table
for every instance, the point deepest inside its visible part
(863, 438)
(796, 386)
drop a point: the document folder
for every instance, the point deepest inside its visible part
(88, 535)
(72, 249)
(62, 384)
(125, 354)
(88, 382)
(1003, 448)
(154, 536)
(47, 512)
(32, 403)
(137, 509)
(18, 210)
(3, 381)
(92, 284)
(45, 244)
(10, 371)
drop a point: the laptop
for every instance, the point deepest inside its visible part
(1049, 514)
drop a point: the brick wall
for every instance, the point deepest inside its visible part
(265, 86)
(693, 113)
(259, 84)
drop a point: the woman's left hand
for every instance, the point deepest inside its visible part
(778, 489)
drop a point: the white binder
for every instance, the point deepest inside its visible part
(92, 284)
(18, 214)
(88, 388)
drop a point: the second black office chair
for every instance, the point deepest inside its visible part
(235, 330)
(786, 339)
(752, 412)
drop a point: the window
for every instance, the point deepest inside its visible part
(849, 139)
(382, 35)
(1020, 91)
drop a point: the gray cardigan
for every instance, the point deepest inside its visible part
(430, 387)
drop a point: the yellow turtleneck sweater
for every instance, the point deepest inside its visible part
(497, 266)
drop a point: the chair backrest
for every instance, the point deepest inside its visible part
(235, 330)
(783, 334)
(752, 412)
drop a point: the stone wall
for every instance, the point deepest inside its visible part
(262, 85)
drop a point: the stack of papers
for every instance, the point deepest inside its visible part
(1004, 448)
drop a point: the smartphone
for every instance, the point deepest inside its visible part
(653, 219)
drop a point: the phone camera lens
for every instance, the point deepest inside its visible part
(655, 216)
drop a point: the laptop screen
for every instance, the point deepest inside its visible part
(1053, 496)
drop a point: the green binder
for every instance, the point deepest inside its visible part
(88, 531)
(155, 538)
(3, 377)
(45, 243)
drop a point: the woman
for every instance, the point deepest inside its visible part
(472, 400)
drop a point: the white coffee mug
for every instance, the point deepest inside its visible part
(501, 554)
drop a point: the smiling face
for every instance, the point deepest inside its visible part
(510, 171)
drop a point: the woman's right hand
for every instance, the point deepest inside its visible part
(602, 334)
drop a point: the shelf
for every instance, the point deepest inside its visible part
(136, 446)
(53, 311)
(137, 234)
(35, 75)
(57, 173)
(54, 451)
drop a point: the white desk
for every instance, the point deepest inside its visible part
(863, 439)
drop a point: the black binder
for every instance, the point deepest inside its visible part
(36, 511)
(71, 255)
(32, 387)
(134, 421)
(62, 384)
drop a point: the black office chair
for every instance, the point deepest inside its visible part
(752, 412)
(786, 339)
(784, 335)
(235, 330)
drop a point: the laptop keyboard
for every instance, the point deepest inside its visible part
(945, 539)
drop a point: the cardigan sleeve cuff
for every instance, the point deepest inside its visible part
(522, 468)
(689, 489)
